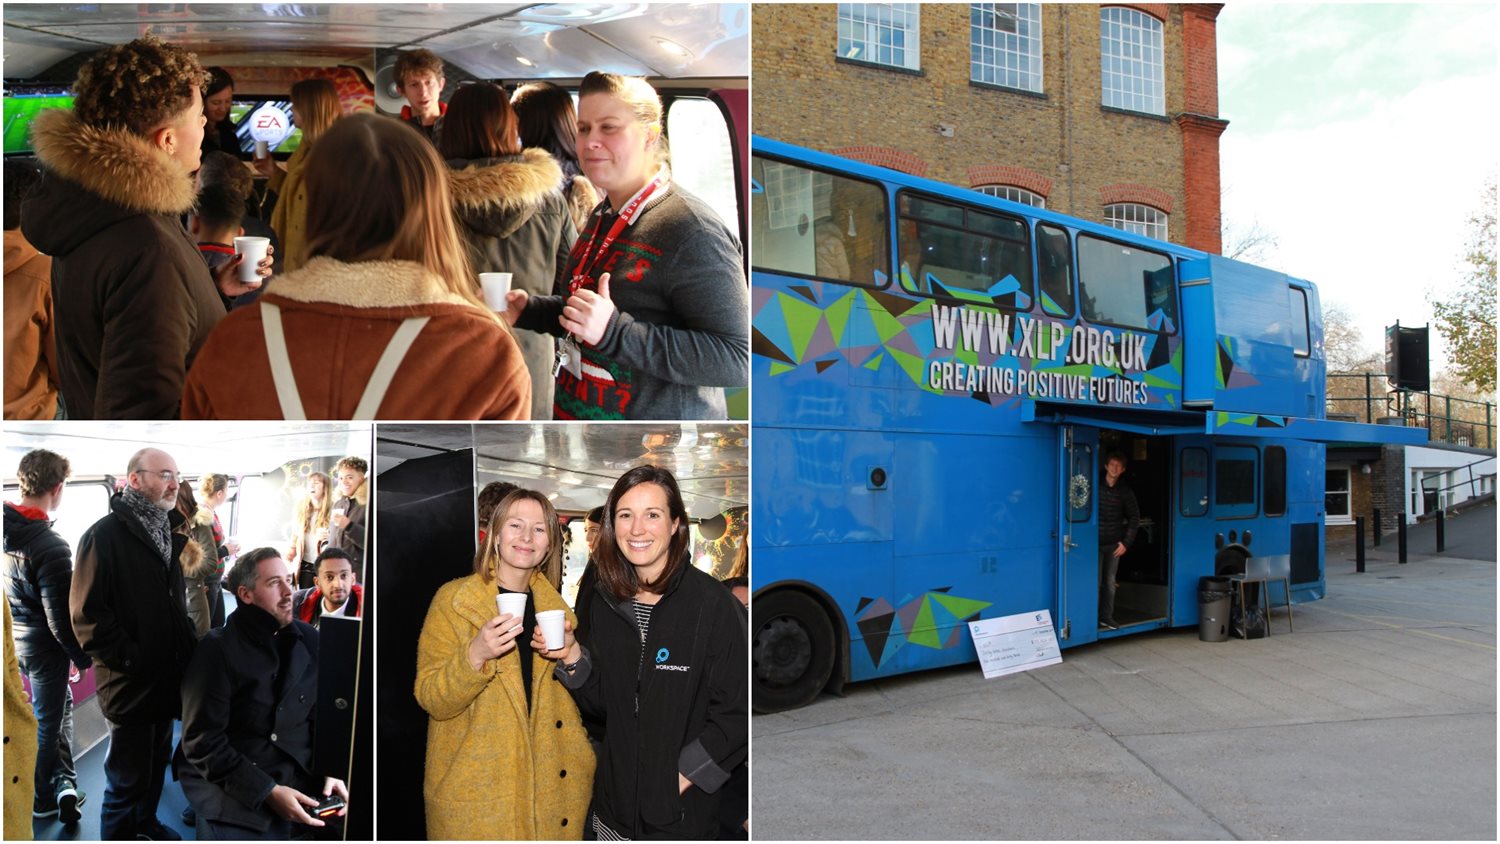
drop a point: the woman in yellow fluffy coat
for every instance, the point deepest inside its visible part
(507, 755)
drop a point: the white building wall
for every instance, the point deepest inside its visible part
(1473, 471)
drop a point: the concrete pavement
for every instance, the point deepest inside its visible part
(1376, 719)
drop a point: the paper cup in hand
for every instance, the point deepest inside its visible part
(495, 286)
(512, 604)
(551, 622)
(254, 251)
(262, 149)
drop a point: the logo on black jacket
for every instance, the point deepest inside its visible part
(661, 658)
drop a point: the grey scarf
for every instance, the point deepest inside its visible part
(152, 518)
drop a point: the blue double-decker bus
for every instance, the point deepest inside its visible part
(938, 377)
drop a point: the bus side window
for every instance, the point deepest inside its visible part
(1301, 335)
(1126, 286)
(1193, 482)
(1234, 481)
(1274, 502)
(947, 247)
(1055, 271)
(817, 224)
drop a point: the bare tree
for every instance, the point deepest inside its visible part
(1344, 344)
(1253, 244)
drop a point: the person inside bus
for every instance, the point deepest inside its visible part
(384, 320)
(347, 519)
(199, 559)
(249, 703)
(218, 97)
(547, 120)
(222, 213)
(510, 210)
(677, 728)
(507, 757)
(134, 301)
(488, 498)
(129, 612)
(31, 375)
(310, 528)
(38, 579)
(315, 107)
(652, 304)
(334, 593)
(1119, 519)
(214, 490)
(419, 78)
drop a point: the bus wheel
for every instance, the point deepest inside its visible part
(792, 652)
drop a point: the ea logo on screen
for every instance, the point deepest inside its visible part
(661, 656)
(270, 124)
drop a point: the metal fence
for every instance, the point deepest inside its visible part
(1366, 397)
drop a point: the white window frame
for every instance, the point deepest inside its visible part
(1132, 62)
(1137, 218)
(1008, 56)
(867, 33)
(1014, 194)
(1348, 493)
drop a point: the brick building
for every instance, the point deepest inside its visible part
(1108, 113)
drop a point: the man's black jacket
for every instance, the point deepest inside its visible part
(38, 576)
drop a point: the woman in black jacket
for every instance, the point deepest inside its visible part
(665, 669)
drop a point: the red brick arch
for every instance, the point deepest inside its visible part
(1155, 10)
(1141, 194)
(888, 157)
(1005, 174)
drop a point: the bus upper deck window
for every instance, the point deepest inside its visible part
(1301, 335)
(817, 224)
(945, 247)
(1055, 271)
(1126, 286)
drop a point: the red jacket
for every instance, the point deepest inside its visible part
(311, 605)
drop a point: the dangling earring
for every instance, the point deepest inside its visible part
(851, 223)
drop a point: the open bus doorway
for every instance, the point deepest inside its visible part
(1143, 596)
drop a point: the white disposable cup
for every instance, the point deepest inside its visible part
(254, 250)
(262, 149)
(337, 511)
(495, 286)
(512, 604)
(551, 622)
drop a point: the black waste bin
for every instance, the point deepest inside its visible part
(1213, 609)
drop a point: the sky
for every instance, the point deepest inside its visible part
(1360, 136)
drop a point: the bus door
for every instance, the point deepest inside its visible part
(1194, 525)
(1077, 612)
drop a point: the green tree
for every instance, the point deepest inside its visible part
(1466, 317)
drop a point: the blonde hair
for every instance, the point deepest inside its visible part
(305, 506)
(317, 103)
(489, 553)
(376, 190)
(137, 86)
(211, 485)
(635, 92)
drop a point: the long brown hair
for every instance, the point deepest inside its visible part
(319, 512)
(489, 553)
(317, 103)
(616, 573)
(546, 119)
(376, 190)
(479, 123)
(187, 504)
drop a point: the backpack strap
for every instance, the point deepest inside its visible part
(281, 364)
(385, 369)
(375, 390)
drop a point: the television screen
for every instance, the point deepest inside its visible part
(239, 113)
(20, 108)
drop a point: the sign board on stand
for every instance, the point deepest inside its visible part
(1014, 643)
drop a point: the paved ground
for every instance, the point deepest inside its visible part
(1376, 719)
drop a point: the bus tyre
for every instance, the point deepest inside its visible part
(792, 652)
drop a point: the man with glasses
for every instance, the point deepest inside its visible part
(129, 612)
(346, 523)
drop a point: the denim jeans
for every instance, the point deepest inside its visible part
(134, 770)
(52, 701)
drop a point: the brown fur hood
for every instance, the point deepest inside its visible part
(365, 284)
(496, 196)
(193, 559)
(114, 164)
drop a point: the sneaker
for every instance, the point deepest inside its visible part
(155, 830)
(189, 817)
(39, 810)
(69, 799)
(1108, 625)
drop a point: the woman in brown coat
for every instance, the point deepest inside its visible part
(507, 755)
(199, 559)
(384, 320)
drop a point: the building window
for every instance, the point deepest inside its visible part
(1336, 494)
(1137, 218)
(880, 33)
(1131, 64)
(1014, 194)
(1005, 45)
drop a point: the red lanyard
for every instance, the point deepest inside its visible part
(628, 215)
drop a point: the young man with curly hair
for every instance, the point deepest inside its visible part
(419, 78)
(134, 300)
(347, 522)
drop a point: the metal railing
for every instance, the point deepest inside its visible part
(1365, 397)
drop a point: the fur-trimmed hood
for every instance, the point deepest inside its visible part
(496, 196)
(365, 284)
(193, 559)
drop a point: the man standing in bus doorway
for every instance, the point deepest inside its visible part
(419, 78)
(1119, 519)
(130, 614)
(38, 576)
(346, 523)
